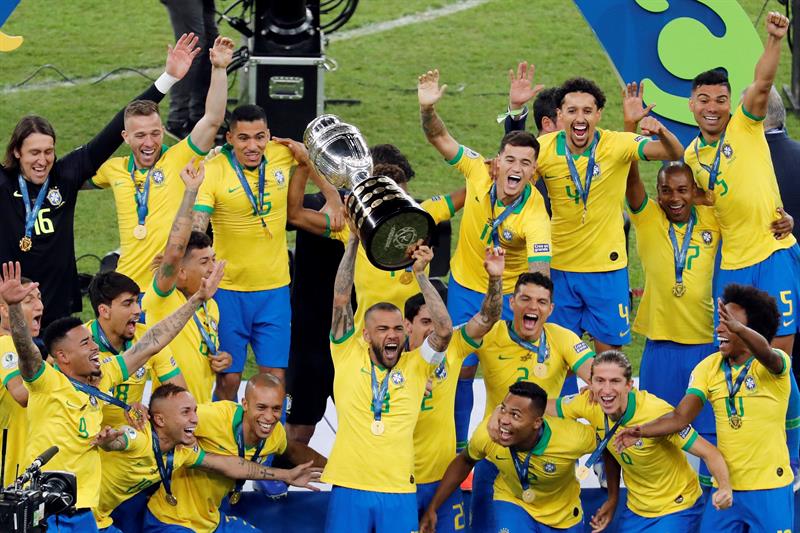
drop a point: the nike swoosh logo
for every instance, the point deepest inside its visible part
(365, 371)
(789, 323)
(17, 194)
(74, 406)
(500, 458)
(622, 334)
(505, 357)
(233, 189)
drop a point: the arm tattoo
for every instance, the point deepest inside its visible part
(30, 359)
(178, 236)
(159, 336)
(342, 320)
(432, 125)
(491, 308)
(543, 267)
(200, 221)
(442, 324)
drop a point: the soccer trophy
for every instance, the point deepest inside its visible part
(388, 220)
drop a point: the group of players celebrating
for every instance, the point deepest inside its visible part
(530, 276)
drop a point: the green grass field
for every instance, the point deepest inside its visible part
(473, 50)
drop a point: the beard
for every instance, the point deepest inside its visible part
(377, 349)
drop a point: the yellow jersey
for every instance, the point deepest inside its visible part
(257, 259)
(164, 199)
(374, 285)
(551, 472)
(505, 362)
(659, 479)
(61, 415)
(126, 473)
(159, 368)
(188, 347)
(593, 241)
(435, 432)
(360, 460)
(525, 234)
(662, 316)
(12, 415)
(200, 493)
(746, 194)
(754, 462)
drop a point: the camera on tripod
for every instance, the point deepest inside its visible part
(35, 495)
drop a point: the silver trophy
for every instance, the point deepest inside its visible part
(388, 220)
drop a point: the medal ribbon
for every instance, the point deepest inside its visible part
(212, 348)
(141, 196)
(679, 256)
(378, 392)
(522, 468)
(733, 388)
(598, 452)
(542, 353)
(257, 205)
(713, 169)
(31, 214)
(94, 391)
(164, 470)
(104, 343)
(497, 221)
(582, 191)
(241, 448)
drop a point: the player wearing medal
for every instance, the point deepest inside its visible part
(171, 435)
(378, 392)
(63, 407)
(747, 384)
(188, 257)
(13, 394)
(585, 170)
(38, 193)
(114, 299)
(146, 184)
(248, 433)
(507, 212)
(663, 491)
(434, 434)
(537, 490)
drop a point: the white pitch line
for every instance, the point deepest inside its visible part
(369, 29)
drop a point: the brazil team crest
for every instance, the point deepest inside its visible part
(280, 179)
(727, 151)
(750, 383)
(54, 197)
(507, 235)
(140, 373)
(158, 176)
(93, 401)
(397, 377)
(707, 238)
(549, 468)
(441, 371)
(596, 170)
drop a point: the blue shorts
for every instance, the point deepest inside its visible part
(261, 319)
(128, 515)
(594, 302)
(514, 519)
(770, 510)
(779, 275)
(227, 524)
(450, 516)
(686, 521)
(81, 522)
(464, 303)
(363, 511)
(481, 506)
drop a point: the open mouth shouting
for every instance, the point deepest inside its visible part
(148, 156)
(580, 134)
(529, 321)
(36, 324)
(506, 435)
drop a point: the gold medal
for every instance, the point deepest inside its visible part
(735, 421)
(582, 472)
(406, 277)
(378, 427)
(678, 290)
(172, 500)
(710, 197)
(25, 244)
(267, 232)
(528, 496)
(540, 370)
(140, 232)
(235, 497)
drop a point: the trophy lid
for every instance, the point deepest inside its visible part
(338, 151)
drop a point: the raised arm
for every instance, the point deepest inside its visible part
(683, 415)
(442, 325)
(456, 473)
(633, 111)
(162, 333)
(666, 148)
(342, 321)
(13, 292)
(756, 96)
(755, 342)
(521, 91)
(238, 468)
(181, 230)
(205, 130)
(428, 93)
(492, 306)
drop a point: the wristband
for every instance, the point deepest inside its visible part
(512, 113)
(165, 82)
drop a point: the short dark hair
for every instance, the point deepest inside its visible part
(197, 241)
(26, 126)
(532, 391)
(246, 113)
(580, 85)
(106, 286)
(520, 138)
(545, 105)
(165, 391)
(671, 168)
(380, 306)
(536, 278)
(141, 108)
(615, 357)
(716, 76)
(412, 306)
(761, 309)
(391, 154)
(58, 329)
(393, 172)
